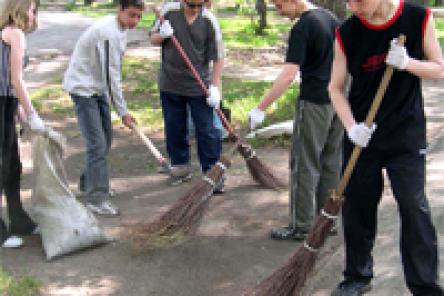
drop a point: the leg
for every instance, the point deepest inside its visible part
(20, 222)
(418, 236)
(209, 144)
(331, 159)
(175, 115)
(359, 211)
(91, 128)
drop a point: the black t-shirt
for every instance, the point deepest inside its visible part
(311, 47)
(400, 118)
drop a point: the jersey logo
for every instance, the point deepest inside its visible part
(374, 62)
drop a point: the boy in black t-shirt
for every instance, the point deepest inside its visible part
(364, 44)
(315, 161)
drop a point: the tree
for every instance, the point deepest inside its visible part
(261, 8)
(88, 2)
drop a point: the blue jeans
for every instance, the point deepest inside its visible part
(209, 144)
(94, 120)
(217, 123)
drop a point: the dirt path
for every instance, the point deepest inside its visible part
(232, 250)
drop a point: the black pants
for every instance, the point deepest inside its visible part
(406, 171)
(10, 170)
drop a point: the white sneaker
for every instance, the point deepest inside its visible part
(13, 242)
(103, 208)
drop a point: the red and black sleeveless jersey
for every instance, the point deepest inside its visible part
(401, 116)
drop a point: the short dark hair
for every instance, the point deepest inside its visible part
(135, 3)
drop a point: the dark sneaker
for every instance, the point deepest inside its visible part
(103, 208)
(220, 187)
(288, 233)
(352, 288)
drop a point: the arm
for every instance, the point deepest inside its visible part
(111, 59)
(433, 67)
(218, 67)
(336, 88)
(16, 39)
(280, 85)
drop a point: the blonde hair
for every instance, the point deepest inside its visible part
(15, 13)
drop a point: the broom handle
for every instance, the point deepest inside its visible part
(149, 144)
(368, 121)
(196, 76)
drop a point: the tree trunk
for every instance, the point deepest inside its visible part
(336, 6)
(261, 8)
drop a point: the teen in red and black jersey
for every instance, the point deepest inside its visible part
(364, 45)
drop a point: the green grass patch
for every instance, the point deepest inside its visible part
(21, 286)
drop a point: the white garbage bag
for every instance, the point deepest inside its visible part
(65, 224)
(278, 129)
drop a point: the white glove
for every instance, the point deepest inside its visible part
(397, 56)
(214, 99)
(360, 134)
(35, 122)
(256, 117)
(165, 30)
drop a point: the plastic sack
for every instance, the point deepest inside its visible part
(65, 224)
(281, 128)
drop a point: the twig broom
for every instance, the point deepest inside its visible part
(260, 172)
(184, 216)
(290, 278)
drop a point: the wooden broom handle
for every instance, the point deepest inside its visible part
(196, 75)
(149, 144)
(368, 121)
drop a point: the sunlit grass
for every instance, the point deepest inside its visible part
(22, 286)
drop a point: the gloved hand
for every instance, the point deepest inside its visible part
(256, 117)
(35, 123)
(397, 56)
(214, 99)
(360, 134)
(165, 30)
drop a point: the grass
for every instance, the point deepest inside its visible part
(142, 95)
(23, 286)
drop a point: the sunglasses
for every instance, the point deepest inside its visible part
(194, 5)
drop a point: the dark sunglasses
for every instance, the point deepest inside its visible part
(194, 5)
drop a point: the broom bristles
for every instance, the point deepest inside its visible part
(183, 217)
(260, 172)
(290, 278)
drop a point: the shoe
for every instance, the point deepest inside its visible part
(220, 187)
(289, 233)
(13, 242)
(352, 288)
(180, 174)
(103, 208)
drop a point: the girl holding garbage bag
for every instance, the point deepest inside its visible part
(17, 18)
